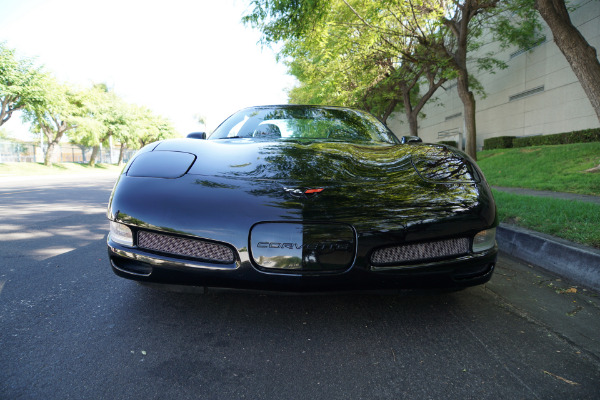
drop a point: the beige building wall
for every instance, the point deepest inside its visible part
(537, 94)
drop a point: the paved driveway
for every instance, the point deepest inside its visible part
(69, 328)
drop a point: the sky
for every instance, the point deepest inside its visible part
(180, 58)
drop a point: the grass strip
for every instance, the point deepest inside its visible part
(559, 168)
(572, 220)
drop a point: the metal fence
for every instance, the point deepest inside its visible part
(32, 152)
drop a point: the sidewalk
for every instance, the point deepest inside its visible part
(546, 193)
(573, 261)
(7, 178)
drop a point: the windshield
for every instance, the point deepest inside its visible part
(304, 122)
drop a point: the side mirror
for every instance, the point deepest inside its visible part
(410, 139)
(197, 135)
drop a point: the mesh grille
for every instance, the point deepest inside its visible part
(420, 251)
(185, 247)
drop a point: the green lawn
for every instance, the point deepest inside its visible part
(572, 220)
(557, 168)
(22, 169)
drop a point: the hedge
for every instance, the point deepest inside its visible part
(505, 142)
(585, 136)
(500, 142)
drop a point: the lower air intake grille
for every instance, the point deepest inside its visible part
(185, 247)
(420, 251)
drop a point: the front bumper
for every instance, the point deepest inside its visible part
(459, 272)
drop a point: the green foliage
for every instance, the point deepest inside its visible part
(490, 64)
(55, 111)
(557, 168)
(357, 53)
(147, 127)
(105, 116)
(500, 142)
(517, 24)
(285, 19)
(21, 83)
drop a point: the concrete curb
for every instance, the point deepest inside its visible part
(578, 263)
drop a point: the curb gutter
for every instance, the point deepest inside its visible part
(578, 263)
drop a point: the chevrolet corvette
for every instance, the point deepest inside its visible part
(302, 198)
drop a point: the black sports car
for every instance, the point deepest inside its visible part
(302, 198)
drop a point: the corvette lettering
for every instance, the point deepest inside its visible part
(307, 246)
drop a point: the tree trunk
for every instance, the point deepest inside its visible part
(470, 127)
(83, 149)
(581, 56)
(411, 116)
(53, 139)
(413, 123)
(460, 29)
(8, 107)
(49, 153)
(95, 151)
(412, 112)
(122, 153)
(4, 114)
(389, 110)
(469, 108)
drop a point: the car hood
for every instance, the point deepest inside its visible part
(316, 162)
(234, 184)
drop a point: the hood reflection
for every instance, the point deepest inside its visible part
(236, 183)
(362, 183)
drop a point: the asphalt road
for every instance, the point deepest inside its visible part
(71, 329)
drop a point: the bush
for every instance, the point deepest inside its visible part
(500, 142)
(584, 136)
(506, 142)
(449, 143)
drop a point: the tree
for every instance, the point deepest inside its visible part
(445, 30)
(21, 83)
(581, 56)
(362, 54)
(464, 20)
(150, 127)
(106, 116)
(404, 33)
(458, 22)
(143, 127)
(54, 114)
(374, 81)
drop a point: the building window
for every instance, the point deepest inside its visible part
(526, 93)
